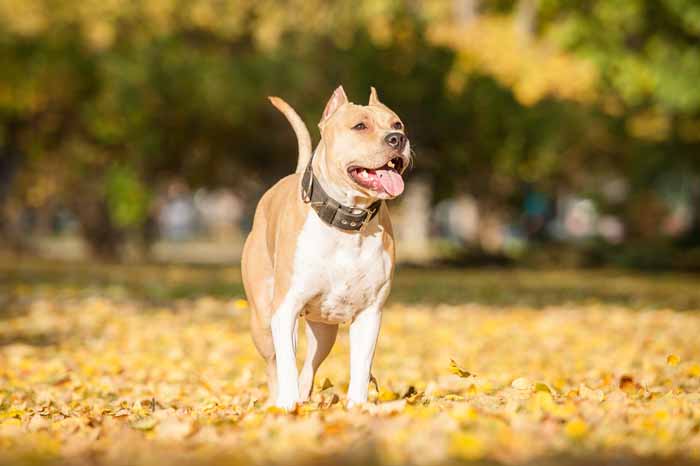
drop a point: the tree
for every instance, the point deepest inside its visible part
(105, 99)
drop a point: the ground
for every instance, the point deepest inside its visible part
(133, 365)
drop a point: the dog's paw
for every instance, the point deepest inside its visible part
(351, 403)
(289, 404)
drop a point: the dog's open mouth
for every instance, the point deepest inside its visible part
(385, 179)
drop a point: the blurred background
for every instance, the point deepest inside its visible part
(547, 132)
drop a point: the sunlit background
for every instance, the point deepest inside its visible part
(546, 132)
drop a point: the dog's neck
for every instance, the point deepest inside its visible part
(340, 191)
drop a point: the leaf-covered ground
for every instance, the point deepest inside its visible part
(93, 372)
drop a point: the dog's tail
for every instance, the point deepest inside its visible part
(302, 132)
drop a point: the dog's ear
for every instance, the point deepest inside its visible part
(373, 98)
(334, 103)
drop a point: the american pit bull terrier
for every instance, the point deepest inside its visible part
(322, 247)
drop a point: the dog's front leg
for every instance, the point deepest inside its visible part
(284, 326)
(363, 339)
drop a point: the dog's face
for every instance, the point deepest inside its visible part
(365, 150)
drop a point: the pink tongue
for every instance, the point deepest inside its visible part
(391, 181)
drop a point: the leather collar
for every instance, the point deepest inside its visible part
(331, 211)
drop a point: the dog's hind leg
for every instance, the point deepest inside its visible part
(319, 341)
(262, 337)
(257, 274)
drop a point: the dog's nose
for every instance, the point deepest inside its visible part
(396, 141)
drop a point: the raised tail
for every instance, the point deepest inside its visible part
(300, 129)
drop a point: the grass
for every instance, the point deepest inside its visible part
(489, 286)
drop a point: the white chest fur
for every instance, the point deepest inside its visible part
(339, 273)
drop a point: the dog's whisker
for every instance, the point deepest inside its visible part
(411, 160)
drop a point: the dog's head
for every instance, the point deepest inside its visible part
(363, 151)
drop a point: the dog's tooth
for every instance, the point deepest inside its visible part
(391, 164)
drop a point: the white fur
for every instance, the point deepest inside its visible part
(337, 277)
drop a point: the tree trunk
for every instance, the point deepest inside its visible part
(104, 239)
(10, 160)
(413, 222)
(526, 18)
(465, 11)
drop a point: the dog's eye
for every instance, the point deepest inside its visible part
(397, 125)
(360, 126)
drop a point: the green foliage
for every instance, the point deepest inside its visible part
(647, 51)
(127, 197)
(178, 88)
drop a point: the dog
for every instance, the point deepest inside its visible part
(322, 247)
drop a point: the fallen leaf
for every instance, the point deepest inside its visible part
(326, 384)
(467, 446)
(521, 383)
(542, 387)
(146, 423)
(173, 428)
(576, 428)
(455, 369)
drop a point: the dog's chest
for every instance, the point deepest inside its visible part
(340, 273)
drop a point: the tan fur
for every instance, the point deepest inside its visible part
(300, 129)
(268, 253)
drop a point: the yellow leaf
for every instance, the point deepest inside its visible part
(544, 401)
(455, 369)
(419, 411)
(305, 408)
(276, 410)
(12, 413)
(564, 411)
(387, 395)
(694, 370)
(542, 387)
(240, 304)
(627, 384)
(576, 428)
(559, 383)
(662, 415)
(672, 360)
(467, 446)
(464, 413)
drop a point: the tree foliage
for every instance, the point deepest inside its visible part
(105, 99)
